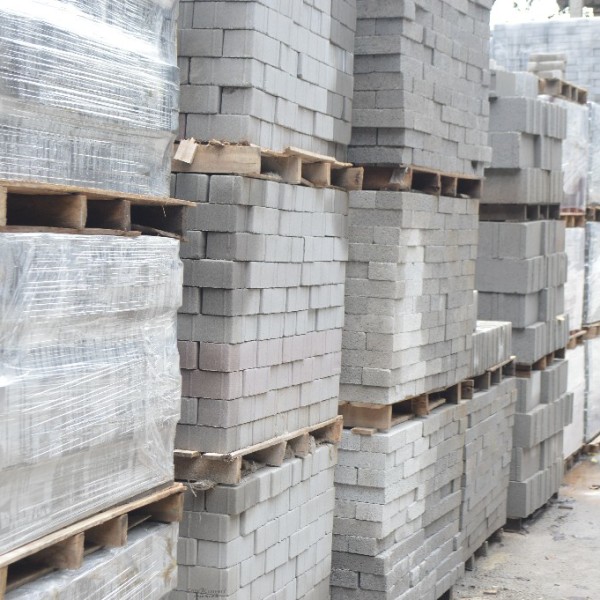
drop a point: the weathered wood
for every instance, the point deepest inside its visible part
(317, 173)
(112, 534)
(36, 229)
(66, 554)
(272, 456)
(372, 415)
(3, 581)
(186, 150)
(303, 445)
(307, 156)
(289, 168)
(165, 510)
(110, 214)
(220, 471)
(3, 194)
(212, 158)
(350, 178)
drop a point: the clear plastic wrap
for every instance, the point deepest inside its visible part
(574, 433)
(592, 389)
(89, 375)
(89, 92)
(594, 164)
(144, 569)
(591, 311)
(575, 154)
(574, 287)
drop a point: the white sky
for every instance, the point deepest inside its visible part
(504, 11)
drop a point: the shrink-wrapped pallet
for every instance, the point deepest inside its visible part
(591, 312)
(145, 568)
(89, 92)
(574, 287)
(89, 376)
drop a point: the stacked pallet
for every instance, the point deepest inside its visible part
(488, 437)
(273, 73)
(409, 299)
(260, 329)
(521, 271)
(89, 379)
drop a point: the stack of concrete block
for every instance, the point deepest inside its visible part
(269, 72)
(488, 438)
(268, 537)
(592, 389)
(521, 271)
(547, 66)
(398, 496)
(574, 433)
(544, 409)
(577, 40)
(526, 136)
(575, 284)
(492, 344)
(144, 568)
(421, 85)
(260, 329)
(409, 295)
(593, 196)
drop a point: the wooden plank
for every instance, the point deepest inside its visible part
(67, 532)
(307, 156)
(112, 534)
(63, 230)
(303, 445)
(69, 211)
(350, 178)
(212, 158)
(110, 214)
(289, 168)
(3, 194)
(420, 405)
(186, 150)
(377, 178)
(318, 174)
(66, 554)
(368, 431)
(272, 456)
(373, 416)
(3, 580)
(330, 433)
(52, 189)
(165, 510)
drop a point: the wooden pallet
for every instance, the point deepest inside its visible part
(398, 178)
(27, 207)
(191, 465)
(293, 165)
(524, 369)
(67, 547)
(518, 212)
(592, 447)
(572, 460)
(592, 213)
(492, 376)
(576, 338)
(563, 89)
(573, 218)
(365, 419)
(591, 331)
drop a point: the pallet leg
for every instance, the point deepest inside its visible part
(67, 554)
(3, 580)
(470, 563)
(483, 550)
(112, 534)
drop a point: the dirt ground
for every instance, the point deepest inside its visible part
(556, 557)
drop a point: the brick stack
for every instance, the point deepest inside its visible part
(526, 136)
(268, 537)
(574, 434)
(575, 39)
(272, 73)
(264, 270)
(521, 271)
(409, 295)
(421, 85)
(398, 496)
(488, 438)
(260, 330)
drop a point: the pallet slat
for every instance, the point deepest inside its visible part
(227, 468)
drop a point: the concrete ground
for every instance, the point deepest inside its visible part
(556, 556)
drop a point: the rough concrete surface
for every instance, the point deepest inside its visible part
(556, 557)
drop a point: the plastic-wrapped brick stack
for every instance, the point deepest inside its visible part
(574, 434)
(421, 85)
(594, 149)
(526, 135)
(87, 421)
(112, 131)
(275, 73)
(575, 284)
(521, 271)
(144, 568)
(488, 438)
(592, 316)
(575, 39)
